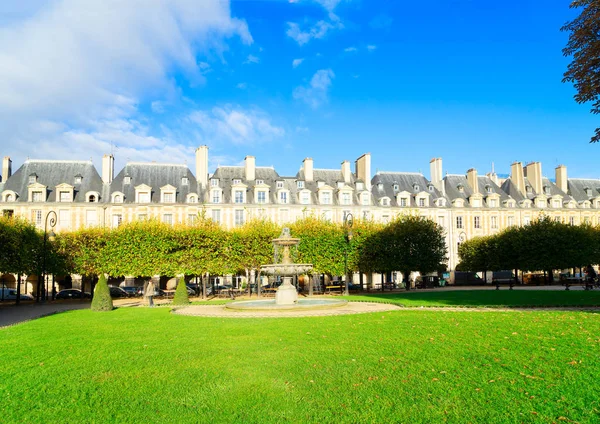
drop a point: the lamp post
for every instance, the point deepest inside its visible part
(50, 219)
(348, 222)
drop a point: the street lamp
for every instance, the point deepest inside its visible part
(50, 219)
(348, 222)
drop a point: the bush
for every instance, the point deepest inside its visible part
(181, 294)
(102, 300)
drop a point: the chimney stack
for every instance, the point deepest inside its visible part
(363, 169)
(308, 169)
(561, 178)
(202, 166)
(533, 172)
(517, 177)
(472, 180)
(250, 168)
(435, 172)
(6, 169)
(108, 168)
(346, 172)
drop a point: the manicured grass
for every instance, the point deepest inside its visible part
(487, 298)
(147, 365)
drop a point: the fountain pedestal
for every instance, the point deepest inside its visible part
(286, 293)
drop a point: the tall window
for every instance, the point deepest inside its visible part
(477, 222)
(65, 196)
(216, 196)
(142, 216)
(36, 217)
(526, 220)
(572, 220)
(556, 203)
(421, 202)
(239, 196)
(403, 202)
(510, 221)
(300, 184)
(492, 203)
(326, 197)
(327, 215)
(284, 215)
(283, 197)
(239, 217)
(345, 198)
(64, 217)
(36, 196)
(214, 183)
(261, 197)
(305, 198)
(91, 218)
(459, 222)
(117, 219)
(191, 218)
(494, 222)
(144, 197)
(168, 218)
(168, 197)
(279, 184)
(216, 215)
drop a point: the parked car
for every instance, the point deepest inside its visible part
(193, 288)
(11, 294)
(73, 294)
(117, 292)
(133, 291)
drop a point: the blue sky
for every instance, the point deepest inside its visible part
(469, 81)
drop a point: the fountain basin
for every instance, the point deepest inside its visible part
(271, 305)
(285, 269)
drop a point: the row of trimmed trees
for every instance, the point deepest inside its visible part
(148, 248)
(544, 245)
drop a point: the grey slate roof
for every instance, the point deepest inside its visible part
(405, 181)
(329, 177)
(52, 173)
(577, 188)
(510, 188)
(451, 183)
(226, 175)
(155, 175)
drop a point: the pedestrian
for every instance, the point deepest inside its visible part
(591, 274)
(149, 293)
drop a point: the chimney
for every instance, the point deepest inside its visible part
(202, 167)
(494, 177)
(472, 180)
(250, 168)
(435, 172)
(346, 172)
(308, 169)
(363, 169)
(108, 168)
(561, 178)
(533, 172)
(517, 177)
(6, 168)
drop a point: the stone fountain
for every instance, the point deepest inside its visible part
(286, 293)
(286, 297)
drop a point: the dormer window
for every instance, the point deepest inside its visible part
(214, 182)
(127, 179)
(36, 196)
(117, 198)
(237, 181)
(366, 201)
(488, 189)
(385, 201)
(65, 196)
(528, 189)
(430, 187)
(403, 202)
(168, 197)
(260, 182)
(326, 198)
(185, 181)
(283, 197)
(346, 199)
(78, 179)
(32, 179)
(300, 184)
(261, 197)
(320, 184)
(546, 190)
(279, 184)
(340, 184)
(192, 198)
(9, 198)
(416, 187)
(360, 186)
(380, 186)
(460, 188)
(92, 198)
(396, 187)
(588, 191)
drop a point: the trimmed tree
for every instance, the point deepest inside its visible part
(102, 300)
(181, 294)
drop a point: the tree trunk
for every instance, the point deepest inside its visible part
(18, 289)
(406, 276)
(383, 281)
(203, 282)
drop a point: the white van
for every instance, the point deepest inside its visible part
(11, 294)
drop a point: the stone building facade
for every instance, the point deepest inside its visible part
(466, 205)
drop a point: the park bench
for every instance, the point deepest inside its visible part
(333, 289)
(578, 281)
(504, 280)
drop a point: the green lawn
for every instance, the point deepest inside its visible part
(488, 298)
(147, 365)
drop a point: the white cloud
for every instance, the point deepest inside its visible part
(317, 31)
(80, 63)
(350, 49)
(235, 125)
(158, 106)
(297, 62)
(315, 93)
(242, 85)
(371, 47)
(251, 59)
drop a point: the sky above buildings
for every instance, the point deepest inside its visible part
(473, 82)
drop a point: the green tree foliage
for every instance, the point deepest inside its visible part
(409, 243)
(181, 295)
(21, 246)
(321, 244)
(102, 300)
(584, 46)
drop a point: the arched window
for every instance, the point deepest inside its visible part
(118, 198)
(9, 198)
(92, 198)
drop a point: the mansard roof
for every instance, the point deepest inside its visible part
(226, 175)
(577, 188)
(406, 181)
(52, 173)
(155, 175)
